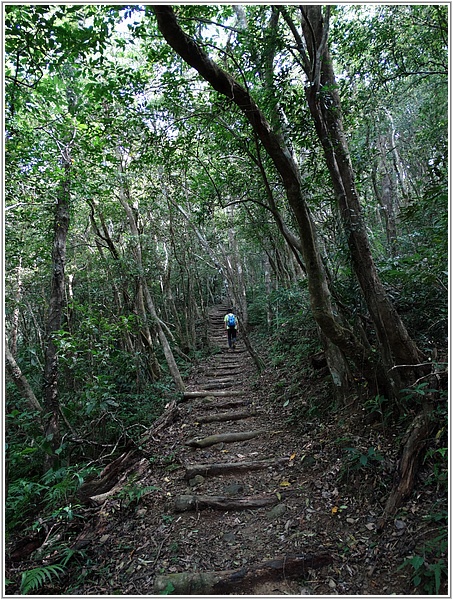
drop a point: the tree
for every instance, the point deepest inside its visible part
(57, 295)
(320, 296)
(398, 350)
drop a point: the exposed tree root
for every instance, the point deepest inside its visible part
(239, 580)
(187, 502)
(412, 446)
(203, 393)
(224, 372)
(115, 474)
(209, 469)
(218, 385)
(228, 416)
(208, 404)
(219, 438)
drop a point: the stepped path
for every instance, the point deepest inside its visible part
(229, 489)
(221, 502)
(227, 495)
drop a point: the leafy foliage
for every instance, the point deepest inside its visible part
(199, 185)
(429, 567)
(33, 579)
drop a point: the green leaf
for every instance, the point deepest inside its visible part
(417, 561)
(35, 578)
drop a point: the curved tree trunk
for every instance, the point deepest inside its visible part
(320, 297)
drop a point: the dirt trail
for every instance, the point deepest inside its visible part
(223, 499)
(229, 507)
(229, 499)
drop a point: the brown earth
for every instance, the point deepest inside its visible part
(170, 516)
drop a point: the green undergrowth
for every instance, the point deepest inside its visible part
(107, 402)
(365, 434)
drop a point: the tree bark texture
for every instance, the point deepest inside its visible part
(396, 346)
(188, 502)
(243, 579)
(228, 416)
(413, 444)
(56, 302)
(221, 438)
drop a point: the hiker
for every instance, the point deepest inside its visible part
(231, 325)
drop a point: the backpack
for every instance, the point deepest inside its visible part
(231, 321)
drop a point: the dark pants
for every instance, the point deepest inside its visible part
(231, 336)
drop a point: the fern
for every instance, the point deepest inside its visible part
(35, 578)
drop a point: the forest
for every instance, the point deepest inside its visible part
(164, 165)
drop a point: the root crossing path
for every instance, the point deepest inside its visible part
(220, 504)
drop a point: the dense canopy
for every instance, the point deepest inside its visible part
(290, 160)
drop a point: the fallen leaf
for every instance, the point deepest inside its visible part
(334, 509)
(293, 456)
(284, 483)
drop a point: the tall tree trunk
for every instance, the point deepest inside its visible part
(396, 346)
(385, 191)
(56, 303)
(320, 297)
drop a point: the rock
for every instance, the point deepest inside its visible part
(276, 512)
(229, 537)
(197, 480)
(234, 488)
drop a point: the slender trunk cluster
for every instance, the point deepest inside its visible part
(144, 289)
